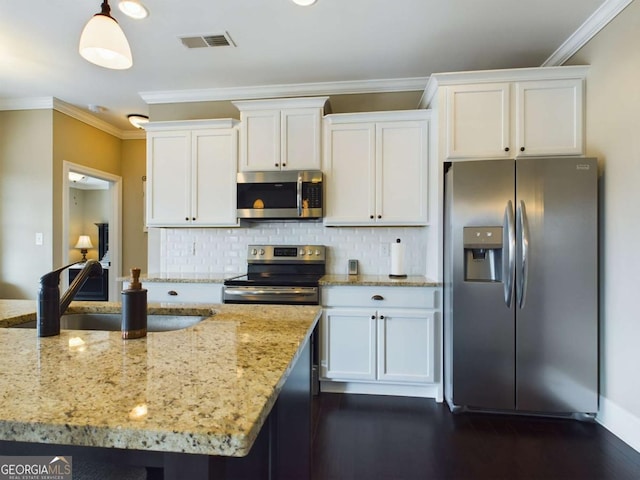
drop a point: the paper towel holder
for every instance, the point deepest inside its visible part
(397, 275)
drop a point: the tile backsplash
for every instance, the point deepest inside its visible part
(224, 250)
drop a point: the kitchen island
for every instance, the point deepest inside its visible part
(188, 399)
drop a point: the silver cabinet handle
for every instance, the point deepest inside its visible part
(299, 195)
(525, 239)
(377, 297)
(509, 247)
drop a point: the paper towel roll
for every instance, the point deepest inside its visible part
(397, 259)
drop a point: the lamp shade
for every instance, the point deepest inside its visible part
(84, 242)
(103, 42)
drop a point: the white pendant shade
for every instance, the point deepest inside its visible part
(304, 3)
(103, 42)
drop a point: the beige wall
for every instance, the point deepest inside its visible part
(613, 135)
(77, 142)
(26, 200)
(33, 146)
(86, 208)
(134, 242)
(363, 102)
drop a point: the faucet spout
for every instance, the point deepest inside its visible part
(50, 305)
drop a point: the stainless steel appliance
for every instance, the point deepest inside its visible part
(279, 274)
(521, 286)
(280, 195)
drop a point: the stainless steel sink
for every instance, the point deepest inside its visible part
(112, 321)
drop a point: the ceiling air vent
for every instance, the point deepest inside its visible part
(203, 41)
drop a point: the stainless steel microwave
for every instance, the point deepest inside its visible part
(280, 195)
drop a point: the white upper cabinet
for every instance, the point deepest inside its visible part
(478, 123)
(375, 167)
(191, 173)
(510, 113)
(281, 134)
(549, 117)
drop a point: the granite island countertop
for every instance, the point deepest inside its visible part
(207, 389)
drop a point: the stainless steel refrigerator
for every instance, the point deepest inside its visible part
(521, 286)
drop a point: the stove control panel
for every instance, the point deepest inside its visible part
(286, 253)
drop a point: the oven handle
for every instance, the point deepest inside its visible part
(308, 291)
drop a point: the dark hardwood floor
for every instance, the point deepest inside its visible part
(367, 437)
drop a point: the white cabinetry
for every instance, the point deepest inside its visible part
(379, 340)
(191, 173)
(375, 167)
(528, 116)
(282, 134)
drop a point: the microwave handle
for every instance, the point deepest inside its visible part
(299, 195)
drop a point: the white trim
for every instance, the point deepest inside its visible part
(287, 90)
(191, 124)
(115, 221)
(52, 103)
(425, 391)
(596, 22)
(281, 103)
(622, 423)
(383, 116)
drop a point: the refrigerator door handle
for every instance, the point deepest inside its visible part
(509, 246)
(525, 239)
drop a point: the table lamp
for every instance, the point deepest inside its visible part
(84, 244)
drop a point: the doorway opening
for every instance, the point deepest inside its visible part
(92, 207)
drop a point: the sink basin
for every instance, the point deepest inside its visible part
(112, 321)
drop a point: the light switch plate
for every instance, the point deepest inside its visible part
(353, 267)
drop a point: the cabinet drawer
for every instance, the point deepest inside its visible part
(377, 297)
(183, 292)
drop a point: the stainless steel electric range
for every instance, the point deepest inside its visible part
(279, 274)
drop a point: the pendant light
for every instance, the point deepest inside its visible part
(103, 42)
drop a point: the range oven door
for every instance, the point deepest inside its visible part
(256, 294)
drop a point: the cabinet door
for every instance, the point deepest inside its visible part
(168, 178)
(549, 117)
(213, 176)
(260, 140)
(401, 166)
(348, 344)
(478, 121)
(300, 147)
(405, 346)
(349, 171)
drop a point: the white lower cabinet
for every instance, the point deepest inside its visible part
(380, 340)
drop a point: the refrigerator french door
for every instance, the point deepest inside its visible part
(521, 286)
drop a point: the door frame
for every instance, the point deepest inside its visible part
(115, 220)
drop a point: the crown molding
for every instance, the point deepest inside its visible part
(287, 90)
(596, 22)
(52, 103)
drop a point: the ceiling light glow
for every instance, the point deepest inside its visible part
(133, 9)
(138, 120)
(304, 3)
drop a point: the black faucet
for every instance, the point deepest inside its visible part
(50, 305)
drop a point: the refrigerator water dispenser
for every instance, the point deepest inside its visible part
(482, 254)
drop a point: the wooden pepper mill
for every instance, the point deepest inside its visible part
(134, 308)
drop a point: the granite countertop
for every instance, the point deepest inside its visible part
(326, 280)
(176, 277)
(378, 281)
(206, 389)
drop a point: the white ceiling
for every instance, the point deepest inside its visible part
(278, 43)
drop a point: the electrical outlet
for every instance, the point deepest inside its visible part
(384, 249)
